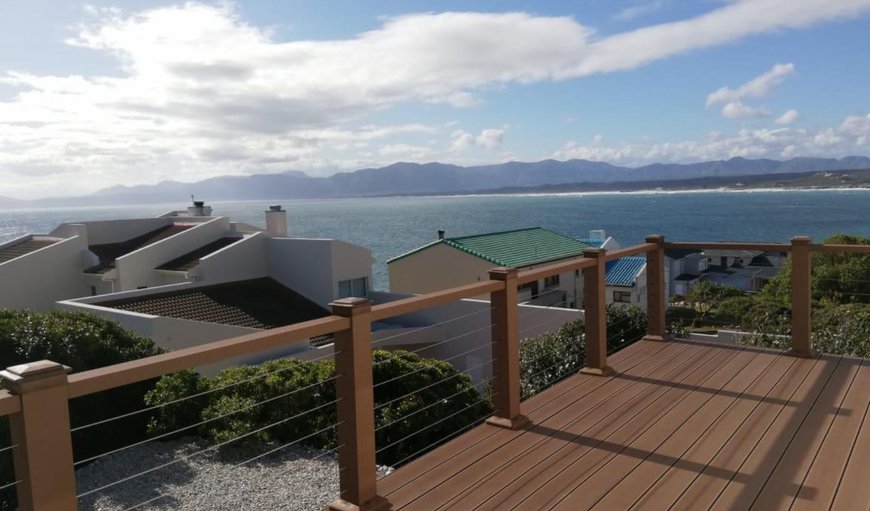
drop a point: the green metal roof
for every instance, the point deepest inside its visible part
(516, 249)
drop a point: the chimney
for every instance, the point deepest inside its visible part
(276, 221)
(441, 233)
(199, 209)
(598, 235)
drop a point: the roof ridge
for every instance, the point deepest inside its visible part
(501, 232)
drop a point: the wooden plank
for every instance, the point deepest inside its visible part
(513, 485)
(740, 493)
(551, 401)
(678, 476)
(853, 491)
(719, 407)
(661, 363)
(558, 492)
(590, 489)
(819, 487)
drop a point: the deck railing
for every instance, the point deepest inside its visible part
(37, 395)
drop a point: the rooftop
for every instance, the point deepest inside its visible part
(516, 249)
(191, 259)
(681, 425)
(108, 252)
(257, 303)
(623, 271)
(25, 247)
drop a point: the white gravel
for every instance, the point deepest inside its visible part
(294, 478)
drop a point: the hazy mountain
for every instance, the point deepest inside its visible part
(438, 178)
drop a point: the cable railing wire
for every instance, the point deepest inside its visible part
(427, 327)
(424, 428)
(202, 451)
(198, 394)
(424, 368)
(442, 380)
(430, 346)
(198, 424)
(440, 401)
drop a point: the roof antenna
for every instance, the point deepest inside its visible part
(192, 199)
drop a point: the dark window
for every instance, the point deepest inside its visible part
(622, 296)
(93, 290)
(551, 281)
(353, 287)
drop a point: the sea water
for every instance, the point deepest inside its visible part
(394, 225)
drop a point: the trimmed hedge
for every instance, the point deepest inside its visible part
(419, 402)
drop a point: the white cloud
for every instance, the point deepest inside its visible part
(737, 110)
(406, 151)
(850, 137)
(788, 117)
(201, 92)
(490, 138)
(758, 87)
(462, 141)
(637, 10)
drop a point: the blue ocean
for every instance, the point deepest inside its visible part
(392, 226)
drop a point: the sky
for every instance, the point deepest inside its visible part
(130, 92)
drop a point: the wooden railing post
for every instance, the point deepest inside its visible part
(41, 431)
(595, 315)
(355, 407)
(505, 351)
(801, 298)
(656, 301)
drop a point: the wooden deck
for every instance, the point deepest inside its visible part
(682, 425)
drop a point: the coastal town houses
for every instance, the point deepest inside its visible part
(747, 270)
(109, 256)
(449, 262)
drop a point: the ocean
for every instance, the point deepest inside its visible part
(394, 225)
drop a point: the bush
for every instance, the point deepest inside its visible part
(842, 330)
(708, 295)
(553, 356)
(82, 342)
(732, 310)
(419, 403)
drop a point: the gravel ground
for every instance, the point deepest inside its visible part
(294, 478)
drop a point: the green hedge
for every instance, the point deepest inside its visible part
(553, 356)
(419, 403)
(82, 342)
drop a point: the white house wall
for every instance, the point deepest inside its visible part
(243, 260)
(136, 269)
(350, 261)
(38, 279)
(302, 265)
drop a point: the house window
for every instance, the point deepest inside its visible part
(353, 287)
(93, 290)
(551, 281)
(622, 296)
(531, 286)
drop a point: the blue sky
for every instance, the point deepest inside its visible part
(129, 92)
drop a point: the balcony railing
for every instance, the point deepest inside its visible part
(37, 398)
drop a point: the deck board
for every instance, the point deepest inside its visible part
(682, 425)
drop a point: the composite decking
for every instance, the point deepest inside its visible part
(681, 425)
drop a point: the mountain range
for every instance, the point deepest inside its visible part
(439, 178)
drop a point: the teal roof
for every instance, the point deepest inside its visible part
(623, 271)
(516, 249)
(592, 243)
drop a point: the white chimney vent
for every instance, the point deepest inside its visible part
(199, 209)
(598, 234)
(276, 221)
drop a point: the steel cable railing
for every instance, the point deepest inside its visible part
(417, 330)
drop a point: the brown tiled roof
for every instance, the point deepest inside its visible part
(258, 303)
(191, 259)
(108, 252)
(25, 247)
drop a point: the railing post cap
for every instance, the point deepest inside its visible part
(503, 273)
(38, 374)
(654, 238)
(594, 253)
(800, 240)
(350, 306)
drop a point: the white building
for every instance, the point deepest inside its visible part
(95, 258)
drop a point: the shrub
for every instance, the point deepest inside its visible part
(842, 330)
(708, 295)
(82, 342)
(419, 403)
(553, 356)
(732, 310)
